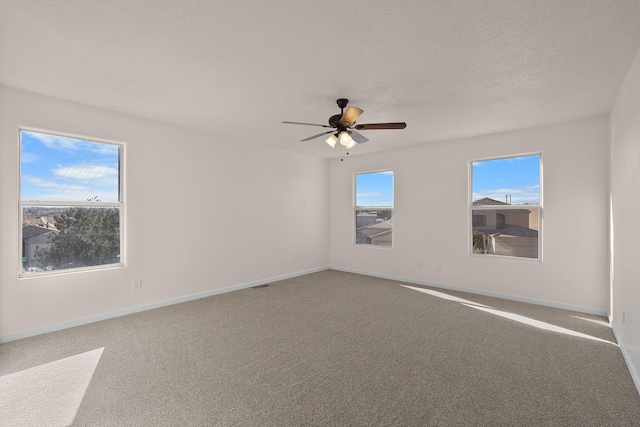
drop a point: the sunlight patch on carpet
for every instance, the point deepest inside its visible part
(596, 321)
(444, 296)
(515, 317)
(48, 394)
(539, 324)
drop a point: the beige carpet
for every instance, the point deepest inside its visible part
(331, 349)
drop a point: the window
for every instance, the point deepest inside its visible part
(506, 206)
(71, 206)
(479, 220)
(374, 208)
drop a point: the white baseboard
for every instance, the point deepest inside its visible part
(633, 370)
(477, 291)
(151, 306)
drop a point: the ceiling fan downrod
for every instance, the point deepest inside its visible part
(334, 121)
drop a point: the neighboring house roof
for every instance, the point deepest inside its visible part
(374, 229)
(29, 231)
(378, 225)
(511, 231)
(382, 233)
(488, 201)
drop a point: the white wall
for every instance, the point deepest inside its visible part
(200, 215)
(625, 194)
(205, 215)
(431, 219)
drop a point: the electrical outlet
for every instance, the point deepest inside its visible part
(137, 285)
(439, 268)
(295, 259)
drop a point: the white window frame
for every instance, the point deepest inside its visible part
(362, 208)
(480, 208)
(66, 203)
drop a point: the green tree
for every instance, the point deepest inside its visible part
(86, 237)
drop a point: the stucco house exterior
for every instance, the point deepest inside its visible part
(511, 232)
(33, 237)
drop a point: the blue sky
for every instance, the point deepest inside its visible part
(67, 169)
(517, 176)
(374, 189)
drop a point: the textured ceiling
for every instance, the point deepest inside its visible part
(236, 70)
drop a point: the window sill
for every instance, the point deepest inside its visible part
(68, 271)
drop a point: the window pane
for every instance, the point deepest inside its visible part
(479, 220)
(505, 209)
(374, 189)
(513, 180)
(62, 237)
(374, 208)
(512, 232)
(374, 227)
(61, 168)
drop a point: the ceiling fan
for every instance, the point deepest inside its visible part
(344, 127)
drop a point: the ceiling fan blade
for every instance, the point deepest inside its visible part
(316, 136)
(374, 126)
(351, 115)
(358, 137)
(307, 124)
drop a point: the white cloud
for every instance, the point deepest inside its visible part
(80, 196)
(29, 158)
(518, 196)
(38, 182)
(479, 163)
(85, 172)
(514, 159)
(370, 194)
(50, 184)
(56, 142)
(42, 189)
(65, 143)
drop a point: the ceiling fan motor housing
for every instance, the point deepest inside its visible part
(335, 120)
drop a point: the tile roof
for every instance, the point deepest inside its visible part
(373, 229)
(488, 201)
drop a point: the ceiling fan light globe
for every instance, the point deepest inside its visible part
(332, 140)
(345, 138)
(351, 144)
